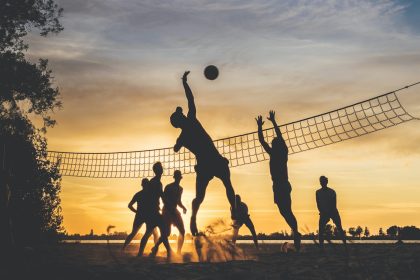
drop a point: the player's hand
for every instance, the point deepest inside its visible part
(184, 77)
(259, 120)
(272, 116)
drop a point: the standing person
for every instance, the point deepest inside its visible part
(210, 162)
(241, 217)
(326, 201)
(152, 211)
(278, 168)
(171, 216)
(140, 199)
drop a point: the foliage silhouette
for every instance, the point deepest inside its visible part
(26, 95)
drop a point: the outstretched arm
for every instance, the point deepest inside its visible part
(264, 144)
(272, 118)
(190, 97)
(130, 205)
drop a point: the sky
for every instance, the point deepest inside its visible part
(118, 65)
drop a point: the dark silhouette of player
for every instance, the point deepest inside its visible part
(140, 199)
(209, 161)
(326, 201)
(171, 216)
(153, 218)
(278, 168)
(240, 217)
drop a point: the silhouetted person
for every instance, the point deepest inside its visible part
(171, 216)
(279, 154)
(140, 198)
(240, 217)
(209, 161)
(326, 201)
(152, 211)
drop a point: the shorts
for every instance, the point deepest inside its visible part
(334, 216)
(282, 193)
(139, 219)
(240, 222)
(207, 169)
(172, 217)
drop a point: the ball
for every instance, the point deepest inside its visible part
(211, 72)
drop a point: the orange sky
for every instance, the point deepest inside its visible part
(118, 66)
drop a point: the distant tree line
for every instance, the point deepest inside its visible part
(331, 233)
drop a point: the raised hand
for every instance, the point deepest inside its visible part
(272, 116)
(184, 77)
(260, 121)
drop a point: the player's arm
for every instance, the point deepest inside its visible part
(335, 199)
(272, 118)
(184, 209)
(130, 205)
(318, 201)
(178, 145)
(190, 97)
(264, 144)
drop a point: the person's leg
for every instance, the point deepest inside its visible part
(200, 192)
(156, 235)
(145, 238)
(235, 233)
(225, 177)
(249, 224)
(321, 229)
(285, 206)
(179, 224)
(163, 237)
(136, 226)
(284, 203)
(337, 221)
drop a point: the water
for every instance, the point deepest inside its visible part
(249, 241)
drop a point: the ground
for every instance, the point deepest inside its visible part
(98, 261)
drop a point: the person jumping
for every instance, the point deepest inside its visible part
(210, 163)
(278, 168)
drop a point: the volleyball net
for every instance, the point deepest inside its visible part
(342, 124)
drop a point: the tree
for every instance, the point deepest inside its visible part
(352, 232)
(26, 95)
(328, 232)
(366, 232)
(359, 231)
(392, 231)
(381, 232)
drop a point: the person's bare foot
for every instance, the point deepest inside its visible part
(193, 226)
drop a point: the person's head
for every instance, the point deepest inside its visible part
(177, 176)
(238, 199)
(158, 169)
(145, 183)
(178, 118)
(323, 181)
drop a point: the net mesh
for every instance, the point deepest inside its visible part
(335, 126)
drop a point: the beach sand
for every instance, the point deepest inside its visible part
(98, 261)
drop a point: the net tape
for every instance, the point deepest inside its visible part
(325, 129)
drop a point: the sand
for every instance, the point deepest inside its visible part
(97, 261)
